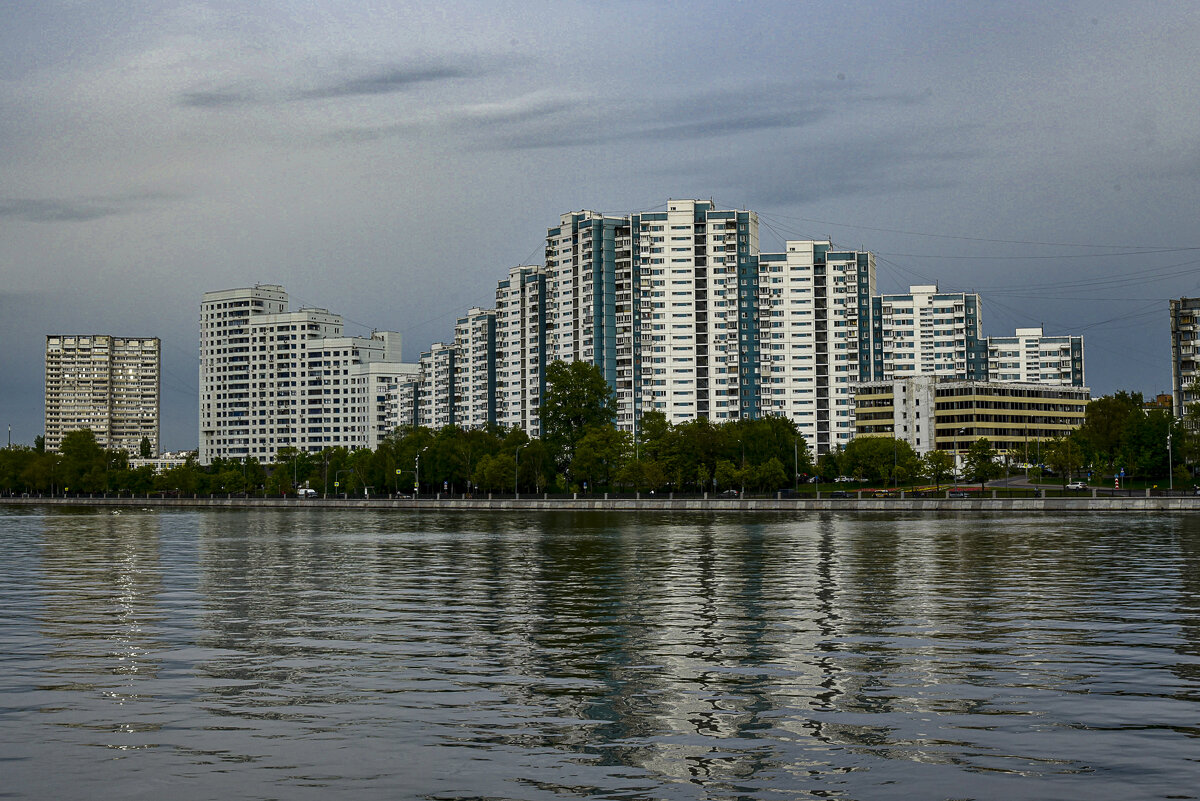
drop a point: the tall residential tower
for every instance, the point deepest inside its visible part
(107, 384)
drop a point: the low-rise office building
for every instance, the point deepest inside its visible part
(949, 414)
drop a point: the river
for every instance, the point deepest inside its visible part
(296, 654)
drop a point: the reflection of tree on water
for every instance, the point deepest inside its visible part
(280, 614)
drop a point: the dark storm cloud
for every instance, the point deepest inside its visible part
(43, 210)
(390, 79)
(700, 115)
(217, 99)
(342, 82)
(862, 165)
(32, 210)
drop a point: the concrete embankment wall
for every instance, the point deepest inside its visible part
(1101, 503)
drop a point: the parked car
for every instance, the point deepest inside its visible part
(958, 494)
(842, 480)
(1077, 485)
(305, 492)
(839, 494)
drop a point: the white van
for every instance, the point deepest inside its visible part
(305, 492)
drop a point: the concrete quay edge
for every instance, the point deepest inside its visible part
(873, 505)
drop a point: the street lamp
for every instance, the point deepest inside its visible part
(1170, 465)
(417, 472)
(516, 463)
(796, 460)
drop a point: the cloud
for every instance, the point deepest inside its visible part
(342, 82)
(389, 80)
(47, 210)
(217, 99)
(701, 115)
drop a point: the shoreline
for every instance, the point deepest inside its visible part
(1098, 503)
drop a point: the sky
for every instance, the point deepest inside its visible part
(390, 162)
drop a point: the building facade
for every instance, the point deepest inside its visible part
(521, 341)
(928, 332)
(272, 379)
(813, 332)
(1185, 334)
(107, 384)
(1031, 357)
(932, 413)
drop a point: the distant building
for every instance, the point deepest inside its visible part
(521, 329)
(164, 461)
(107, 384)
(1185, 331)
(1031, 357)
(814, 337)
(271, 378)
(928, 332)
(931, 413)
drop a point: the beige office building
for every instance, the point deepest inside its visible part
(104, 383)
(932, 413)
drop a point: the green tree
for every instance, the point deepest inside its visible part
(577, 398)
(144, 448)
(770, 475)
(980, 464)
(83, 466)
(878, 458)
(1106, 426)
(727, 475)
(828, 465)
(600, 455)
(1064, 456)
(937, 466)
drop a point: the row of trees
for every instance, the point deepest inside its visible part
(582, 450)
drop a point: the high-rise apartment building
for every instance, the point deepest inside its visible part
(271, 378)
(813, 332)
(1185, 366)
(695, 301)
(927, 332)
(107, 384)
(1031, 357)
(475, 368)
(521, 334)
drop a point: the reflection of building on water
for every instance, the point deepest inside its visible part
(102, 587)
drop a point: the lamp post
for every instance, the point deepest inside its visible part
(895, 461)
(516, 464)
(796, 460)
(1170, 465)
(417, 472)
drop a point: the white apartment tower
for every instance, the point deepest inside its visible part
(475, 368)
(438, 396)
(1185, 353)
(928, 332)
(107, 384)
(813, 330)
(1031, 357)
(695, 283)
(271, 379)
(521, 332)
(590, 305)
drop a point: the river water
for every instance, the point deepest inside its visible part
(199, 654)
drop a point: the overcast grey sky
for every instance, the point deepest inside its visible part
(390, 162)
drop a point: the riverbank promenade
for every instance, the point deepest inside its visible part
(945, 501)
